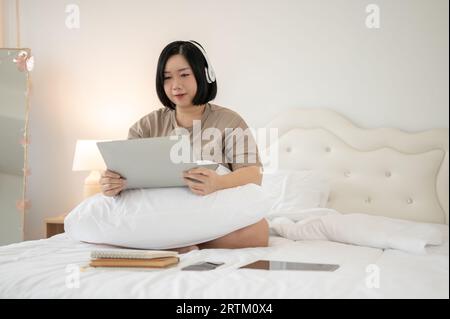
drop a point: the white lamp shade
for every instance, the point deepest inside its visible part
(87, 156)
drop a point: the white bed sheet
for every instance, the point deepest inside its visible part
(38, 269)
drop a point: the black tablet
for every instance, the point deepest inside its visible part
(288, 265)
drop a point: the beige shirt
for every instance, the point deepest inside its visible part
(222, 135)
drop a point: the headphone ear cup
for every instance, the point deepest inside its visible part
(212, 75)
(210, 78)
(209, 71)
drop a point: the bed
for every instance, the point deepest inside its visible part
(383, 172)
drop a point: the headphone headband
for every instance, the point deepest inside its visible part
(209, 71)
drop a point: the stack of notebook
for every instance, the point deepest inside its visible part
(134, 258)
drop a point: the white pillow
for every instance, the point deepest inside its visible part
(295, 191)
(164, 218)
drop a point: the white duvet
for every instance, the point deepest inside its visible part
(358, 229)
(50, 269)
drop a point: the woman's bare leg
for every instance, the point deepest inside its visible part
(256, 235)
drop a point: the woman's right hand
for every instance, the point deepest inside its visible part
(111, 183)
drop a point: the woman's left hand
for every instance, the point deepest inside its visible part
(202, 181)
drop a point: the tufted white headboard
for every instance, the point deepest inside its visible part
(382, 171)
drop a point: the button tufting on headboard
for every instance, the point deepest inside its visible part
(364, 161)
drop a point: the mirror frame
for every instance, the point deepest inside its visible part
(23, 204)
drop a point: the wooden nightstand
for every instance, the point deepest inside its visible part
(54, 225)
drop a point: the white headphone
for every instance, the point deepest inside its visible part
(210, 74)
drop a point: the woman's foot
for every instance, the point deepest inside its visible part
(183, 250)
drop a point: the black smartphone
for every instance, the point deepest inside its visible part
(288, 265)
(201, 266)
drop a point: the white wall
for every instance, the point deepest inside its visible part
(270, 55)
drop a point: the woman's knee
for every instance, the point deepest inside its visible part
(256, 235)
(264, 225)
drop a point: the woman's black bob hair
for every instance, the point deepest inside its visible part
(205, 91)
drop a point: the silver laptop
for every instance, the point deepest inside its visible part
(146, 162)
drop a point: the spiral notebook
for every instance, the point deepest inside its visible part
(132, 254)
(134, 258)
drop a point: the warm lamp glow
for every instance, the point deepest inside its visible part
(88, 158)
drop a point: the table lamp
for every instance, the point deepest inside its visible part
(88, 158)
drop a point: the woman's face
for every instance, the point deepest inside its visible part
(179, 81)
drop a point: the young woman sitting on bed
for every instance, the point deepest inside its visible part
(185, 83)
